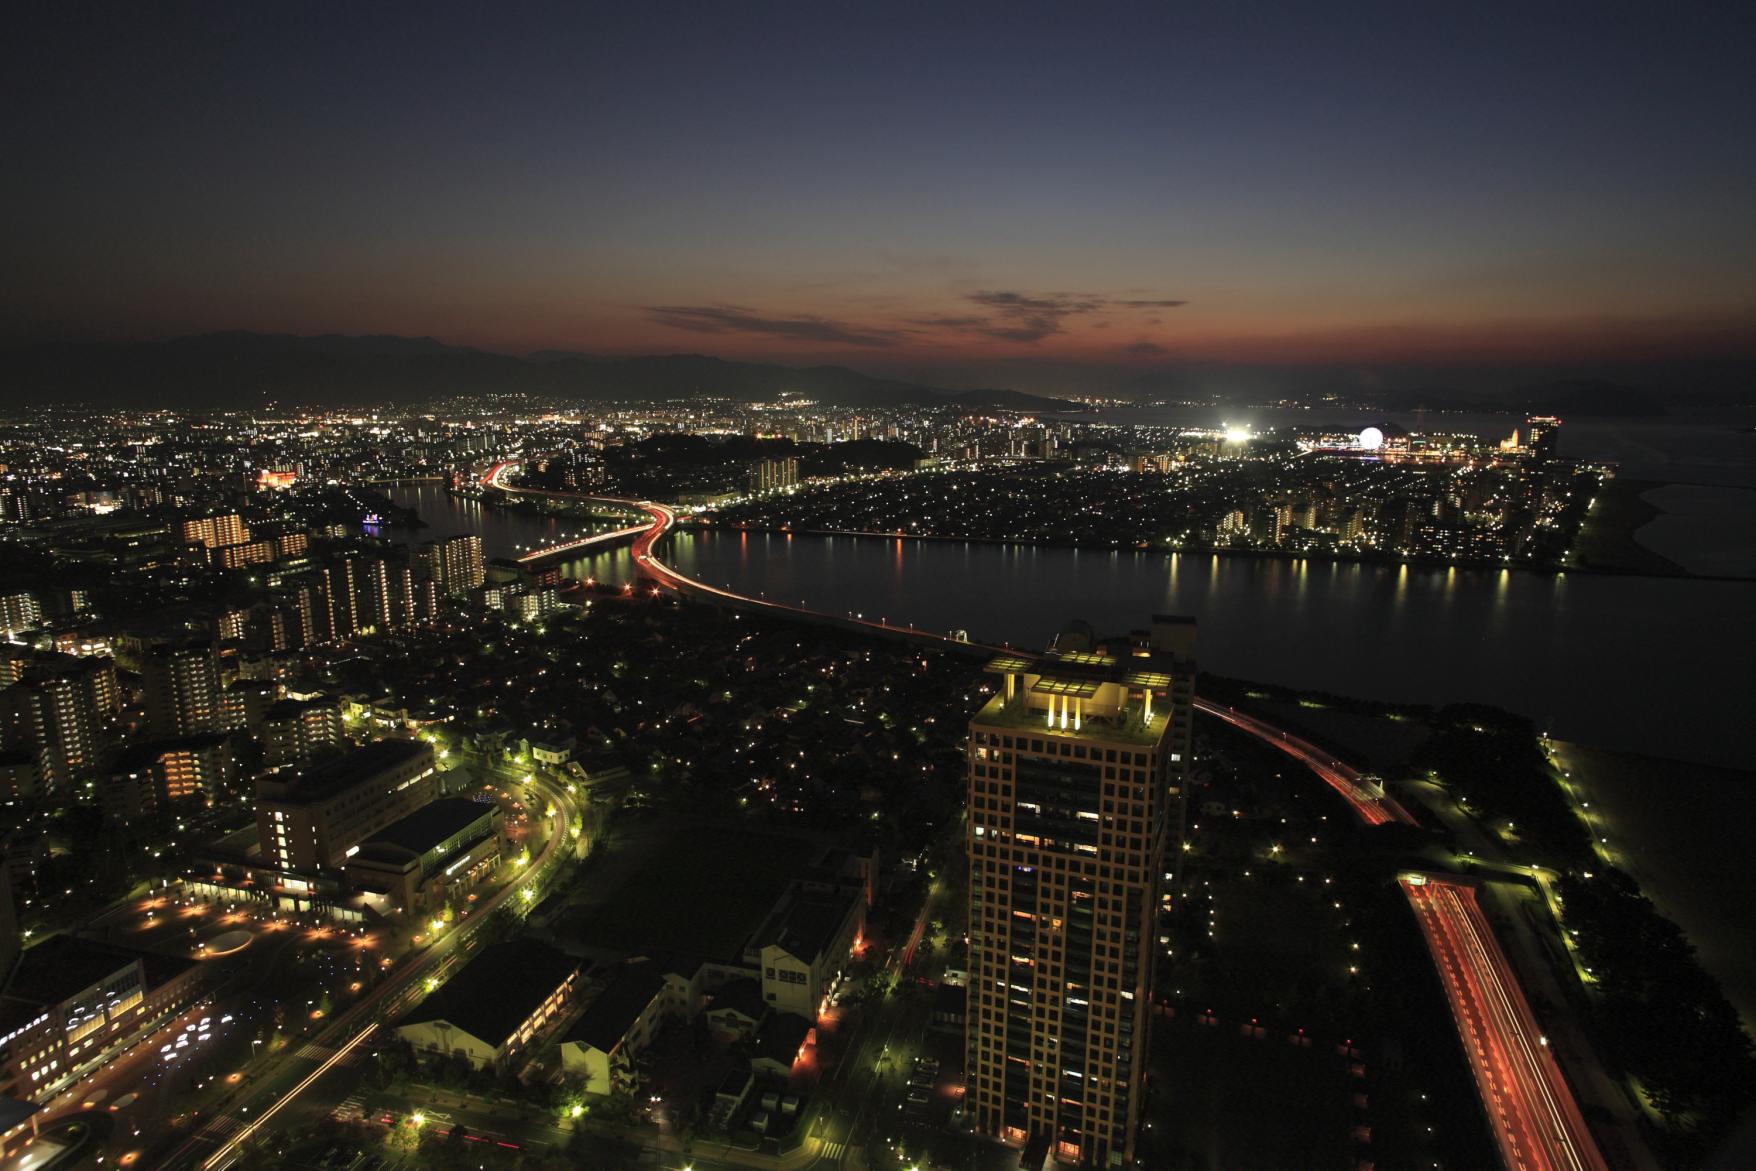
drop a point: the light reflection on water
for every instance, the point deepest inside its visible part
(1643, 664)
(1636, 663)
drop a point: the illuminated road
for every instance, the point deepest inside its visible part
(582, 544)
(1373, 806)
(1533, 1114)
(643, 534)
(1531, 1108)
(216, 1144)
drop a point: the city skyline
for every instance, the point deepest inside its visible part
(614, 586)
(688, 774)
(900, 190)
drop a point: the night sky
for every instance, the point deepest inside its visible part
(893, 187)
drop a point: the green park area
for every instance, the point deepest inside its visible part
(1242, 1101)
(1606, 539)
(694, 889)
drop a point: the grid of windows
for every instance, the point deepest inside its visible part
(1068, 829)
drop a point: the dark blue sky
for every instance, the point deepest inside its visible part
(895, 185)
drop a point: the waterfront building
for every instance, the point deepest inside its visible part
(454, 563)
(1077, 772)
(1543, 436)
(771, 475)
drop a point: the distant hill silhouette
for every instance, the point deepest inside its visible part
(1589, 396)
(1573, 396)
(239, 368)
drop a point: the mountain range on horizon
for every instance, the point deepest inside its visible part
(241, 367)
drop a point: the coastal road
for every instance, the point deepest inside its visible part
(1370, 803)
(1534, 1116)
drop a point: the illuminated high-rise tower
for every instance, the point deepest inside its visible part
(1544, 433)
(1076, 780)
(454, 563)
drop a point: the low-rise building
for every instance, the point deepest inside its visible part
(415, 864)
(492, 1007)
(768, 995)
(734, 1090)
(737, 1009)
(803, 947)
(552, 752)
(618, 1025)
(780, 1043)
(72, 1003)
(18, 1125)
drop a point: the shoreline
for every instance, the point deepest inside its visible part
(1610, 533)
(1422, 564)
(1647, 809)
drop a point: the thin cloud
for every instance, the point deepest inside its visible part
(1145, 349)
(949, 321)
(1007, 315)
(1024, 317)
(806, 327)
(1023, 303)
(1015, 316)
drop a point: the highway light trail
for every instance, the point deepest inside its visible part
(645, 534)
(1372, 807)
(219, 1157)
(1535, 1120)
(583, 543)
